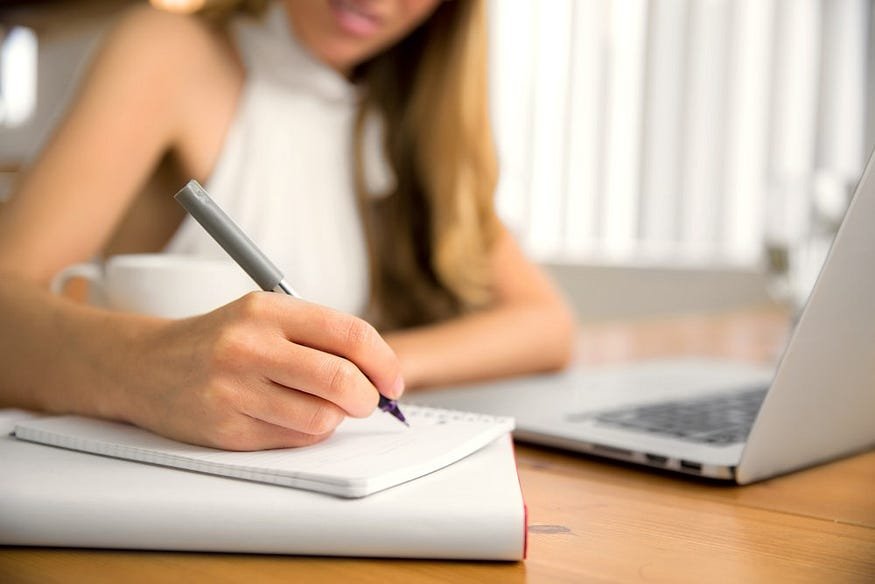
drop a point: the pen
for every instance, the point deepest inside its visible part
(195, 199)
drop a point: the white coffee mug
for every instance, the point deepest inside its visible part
(172, 286)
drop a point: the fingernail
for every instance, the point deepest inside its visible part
(398, 386)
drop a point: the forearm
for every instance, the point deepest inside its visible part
(507, 340)
(58, 356)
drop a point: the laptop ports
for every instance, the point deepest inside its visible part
(656, 460)
(694, 467)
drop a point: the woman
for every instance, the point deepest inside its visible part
(367, 118)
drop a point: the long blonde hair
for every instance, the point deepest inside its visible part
(430, 239)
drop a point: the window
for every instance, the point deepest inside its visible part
(18, 75)
(677, 132)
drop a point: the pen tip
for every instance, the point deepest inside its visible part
(391, 406)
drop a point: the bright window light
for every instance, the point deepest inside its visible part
(18, 66)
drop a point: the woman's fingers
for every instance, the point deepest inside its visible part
(334, 333)
(344, 335)
(245, 433)
(322, 375)
(288, 408)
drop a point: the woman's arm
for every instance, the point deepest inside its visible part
(135, 106)
(529, 328)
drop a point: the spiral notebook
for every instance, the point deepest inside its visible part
(363, 456)
(470, 510)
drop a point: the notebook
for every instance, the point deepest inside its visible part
(470, 510)
(362, 457)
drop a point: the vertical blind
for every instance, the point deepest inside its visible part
(676, 131)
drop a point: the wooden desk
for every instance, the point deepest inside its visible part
(592, 520)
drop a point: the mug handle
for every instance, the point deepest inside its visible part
(87, 271)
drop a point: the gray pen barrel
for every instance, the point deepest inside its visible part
(228, 234)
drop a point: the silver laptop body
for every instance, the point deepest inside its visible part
(818, 405)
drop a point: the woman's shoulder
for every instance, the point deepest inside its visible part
(179, 72)
(146, 37)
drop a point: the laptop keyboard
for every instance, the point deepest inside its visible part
(718, 419)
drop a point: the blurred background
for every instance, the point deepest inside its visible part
(658, 156)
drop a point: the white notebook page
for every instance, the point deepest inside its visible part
(363, 456)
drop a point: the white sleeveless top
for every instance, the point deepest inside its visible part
(285, 173)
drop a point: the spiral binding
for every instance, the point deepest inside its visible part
(444, 415)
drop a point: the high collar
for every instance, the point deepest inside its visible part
(276, 53)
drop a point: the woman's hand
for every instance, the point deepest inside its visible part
(265, 371)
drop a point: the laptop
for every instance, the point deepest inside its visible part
(718, 419)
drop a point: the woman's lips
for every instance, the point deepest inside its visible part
(353, 18)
